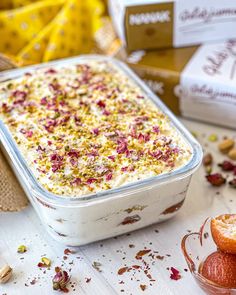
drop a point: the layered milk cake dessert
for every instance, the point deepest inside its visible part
(87, 128)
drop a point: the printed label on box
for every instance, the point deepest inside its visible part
(154, 24)
(202, 21)
(208, 84)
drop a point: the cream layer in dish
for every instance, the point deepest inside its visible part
(87, 128)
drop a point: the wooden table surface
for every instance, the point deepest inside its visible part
(25, 228)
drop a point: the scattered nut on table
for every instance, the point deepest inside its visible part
(207, 159)
(232, 154)
(5, 274)
(226, 145)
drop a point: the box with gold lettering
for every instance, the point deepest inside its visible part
(152, 24)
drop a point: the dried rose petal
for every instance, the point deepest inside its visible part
(109, 176)
(143, 137)
(60, 280)
(106, 113)
(57, 161)
(156, 154)
(76, 181)
(20, 96)
(141, 119)
(73, 153)
(216, 179)
(54, 86)
(175, 275)
(40, 264)
(227, 166)
(50, 71)
(129, 168)
(49, 126)
(27, 133)
(6, 108)
(43, 101)
(122, 148)
(95, 131)
(93, 153)
(232, 183)
(156, 129)
(111, 158)
(133, 132)
(91, 180)
(101, 104)
(56, 158)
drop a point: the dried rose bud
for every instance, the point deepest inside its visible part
(22, 249)
(60, 280)
(207, 159)
(215, 179)
(226, 166)
(5, 274)
(232, 183)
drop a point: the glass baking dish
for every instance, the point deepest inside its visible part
(80, 220)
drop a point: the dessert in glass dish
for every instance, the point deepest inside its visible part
(96, 152)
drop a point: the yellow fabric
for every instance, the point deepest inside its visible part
(37, 31)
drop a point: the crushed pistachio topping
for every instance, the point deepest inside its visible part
(22, 249)
(87, 127)
(45, 262)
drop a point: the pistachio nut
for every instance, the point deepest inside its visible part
(226, 145)
(5, 274)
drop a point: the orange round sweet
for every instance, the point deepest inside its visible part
(220, 268)
(223, 230)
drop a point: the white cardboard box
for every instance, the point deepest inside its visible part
(149, 24)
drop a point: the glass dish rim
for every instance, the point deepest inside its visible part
(31, 182)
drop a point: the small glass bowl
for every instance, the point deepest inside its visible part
(196, 248)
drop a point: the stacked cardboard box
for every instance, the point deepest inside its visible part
(199, 81)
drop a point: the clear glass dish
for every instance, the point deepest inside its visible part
(196, 248)
(77, 221)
